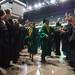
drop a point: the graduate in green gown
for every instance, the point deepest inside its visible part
(32, 40)
(46, 41)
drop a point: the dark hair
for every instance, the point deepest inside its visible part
(10, 21)
(7, 11)
(45, 20)
(1, 12)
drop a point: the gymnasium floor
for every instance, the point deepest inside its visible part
(55, 66)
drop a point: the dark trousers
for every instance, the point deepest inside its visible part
(57, 46)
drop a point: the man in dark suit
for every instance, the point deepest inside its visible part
(57, 37)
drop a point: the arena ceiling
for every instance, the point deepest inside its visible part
(47, 9)
(50, 10)
(47, 2)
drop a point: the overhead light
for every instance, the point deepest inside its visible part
(63, 0)
(43, 3)
(48, 1)
(36, 6)
(30, 7)
(39, 4)
(2, 1)
(53, 1)
(24, 9)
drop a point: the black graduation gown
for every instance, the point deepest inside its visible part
(72, 47)
(71, 39)
(4, 45)
(13, 39)
(65, 36)
(22, 36)
(16, 43)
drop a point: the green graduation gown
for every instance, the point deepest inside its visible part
(46, 41)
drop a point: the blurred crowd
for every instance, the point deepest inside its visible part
(15, 34)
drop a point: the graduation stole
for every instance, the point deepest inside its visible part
(30, 31)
